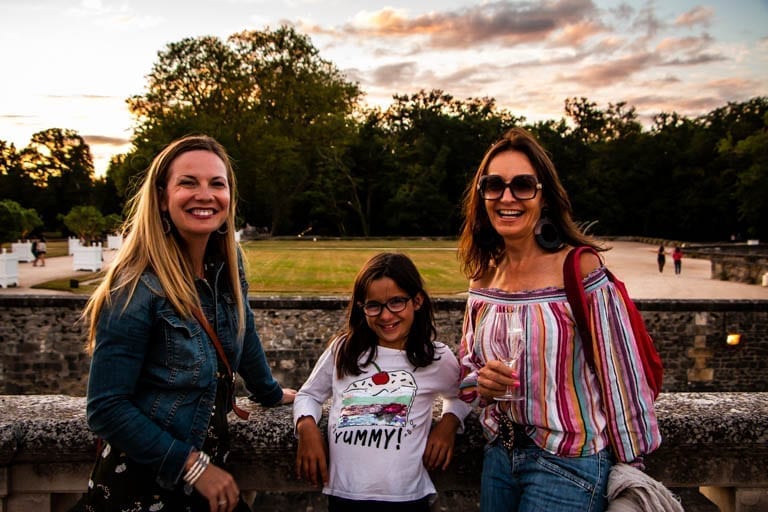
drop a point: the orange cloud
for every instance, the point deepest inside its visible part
(614, 71)
(575, 34)
(696, 16)
(683, 43)
(497, 22)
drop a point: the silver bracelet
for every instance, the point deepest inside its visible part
(197, 468)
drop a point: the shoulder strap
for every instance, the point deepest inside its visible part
(223, 356)
(574, 289)
(577, 297)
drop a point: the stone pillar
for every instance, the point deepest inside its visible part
(700, 353)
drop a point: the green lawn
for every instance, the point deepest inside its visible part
(328, 267)
(324, 267)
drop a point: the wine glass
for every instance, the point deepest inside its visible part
(508, 347)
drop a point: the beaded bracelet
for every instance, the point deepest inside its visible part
(197, 468)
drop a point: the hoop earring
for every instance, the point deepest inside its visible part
(546, 233)
(166, 222)
(226, 228)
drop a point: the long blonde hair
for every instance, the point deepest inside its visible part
(148, 246)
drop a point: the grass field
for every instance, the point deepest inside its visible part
(328, 267)
(304, 267)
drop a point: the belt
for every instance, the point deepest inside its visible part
(513, 434)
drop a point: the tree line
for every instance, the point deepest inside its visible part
(309, 156)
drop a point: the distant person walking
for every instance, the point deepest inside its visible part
(677, 258)
(39, 248)
(661, 259)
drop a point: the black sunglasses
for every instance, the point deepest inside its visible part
(522, 186)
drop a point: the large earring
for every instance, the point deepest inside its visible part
(546, 233)
(166, 223)
(224, 232)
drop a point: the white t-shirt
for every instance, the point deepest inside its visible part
(379, 422)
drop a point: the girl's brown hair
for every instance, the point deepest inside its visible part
(358, 337)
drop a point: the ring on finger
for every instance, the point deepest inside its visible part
(222, 502)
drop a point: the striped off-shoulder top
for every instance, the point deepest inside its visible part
(566, 410)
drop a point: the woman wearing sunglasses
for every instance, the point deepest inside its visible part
(552, 450)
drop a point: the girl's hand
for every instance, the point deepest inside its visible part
(288, 396)
(219, 488)
(439, 450)
(493, 379)
(312, 455)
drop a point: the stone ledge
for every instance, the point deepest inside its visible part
(713, 441)
(709, 439)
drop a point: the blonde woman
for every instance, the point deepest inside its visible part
(158, 392)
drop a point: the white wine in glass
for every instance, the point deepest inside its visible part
(510, 343)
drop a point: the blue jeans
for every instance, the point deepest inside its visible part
(531, 480)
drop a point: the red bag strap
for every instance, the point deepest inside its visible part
(223, 356)
(577, 297)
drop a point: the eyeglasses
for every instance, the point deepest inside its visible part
(522, 186)
(373, 308)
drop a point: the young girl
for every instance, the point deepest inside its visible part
(383, 374)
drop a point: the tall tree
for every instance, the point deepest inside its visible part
(267, 96)
(60, 163)
(15, 182)
(438, 142)
(749, 157)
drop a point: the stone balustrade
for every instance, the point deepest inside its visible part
(714, 441)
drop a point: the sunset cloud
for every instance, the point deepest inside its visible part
(696, 16)
(613, 71)
(497, 22)
(530, 55)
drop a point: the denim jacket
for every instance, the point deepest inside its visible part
(152, 380)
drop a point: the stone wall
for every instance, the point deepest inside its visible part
(41, 340)
(748, 268)
(713, 440)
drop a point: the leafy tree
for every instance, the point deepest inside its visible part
(268, 97)
(589, 121)
(113, 223)
(752, 178)
(369, 163)
(16, 222)
(15, 181)
(438, 142)
(30, 221)
(60, 163)
(86, 222)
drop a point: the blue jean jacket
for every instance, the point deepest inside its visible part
(152, 380)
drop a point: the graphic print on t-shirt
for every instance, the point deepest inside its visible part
(382, 400)
(374, 411)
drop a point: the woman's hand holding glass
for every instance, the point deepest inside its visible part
(499, 379)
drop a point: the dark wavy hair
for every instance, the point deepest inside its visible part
(479, 243)
(358, 338)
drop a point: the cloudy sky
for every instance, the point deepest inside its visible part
(72, 64)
